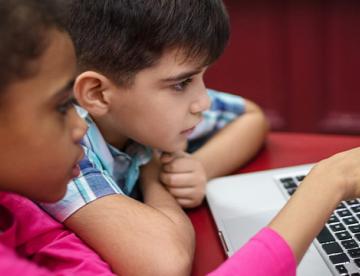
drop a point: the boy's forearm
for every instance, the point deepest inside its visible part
(156, 196)
(234, 145)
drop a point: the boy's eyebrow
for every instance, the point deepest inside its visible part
(182, 76)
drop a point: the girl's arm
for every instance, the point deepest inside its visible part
(275, 250)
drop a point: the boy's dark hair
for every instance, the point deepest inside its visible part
(23, 35)
(118, 38)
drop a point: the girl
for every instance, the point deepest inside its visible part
(37, 117)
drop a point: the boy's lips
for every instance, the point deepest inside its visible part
(188, 131)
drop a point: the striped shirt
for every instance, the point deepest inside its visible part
(105, 170)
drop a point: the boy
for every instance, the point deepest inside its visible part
(142, 65)
(37, 117)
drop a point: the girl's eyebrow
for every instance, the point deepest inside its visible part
(65, 90)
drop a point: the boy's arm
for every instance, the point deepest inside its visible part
(235, 144)
(155, 238)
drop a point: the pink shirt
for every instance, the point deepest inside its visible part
(266, 253)
(32, 243)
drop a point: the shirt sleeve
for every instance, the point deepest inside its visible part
(93, 182)
(223, 110)
(266, 254)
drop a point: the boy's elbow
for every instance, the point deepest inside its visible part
(178, 266)
(264, 123)
(175, 260)
(258, 116)
(163, 263)
(168, 256)
(179, 257)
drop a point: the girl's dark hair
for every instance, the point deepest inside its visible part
(121, 37)
(23, 35)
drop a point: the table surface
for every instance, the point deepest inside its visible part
(281, 149)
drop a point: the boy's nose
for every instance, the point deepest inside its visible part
(202, 103)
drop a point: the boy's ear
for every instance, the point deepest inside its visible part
(92, 91)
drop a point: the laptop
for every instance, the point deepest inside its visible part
(242, 204)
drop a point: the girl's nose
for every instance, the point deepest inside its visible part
(79, 126)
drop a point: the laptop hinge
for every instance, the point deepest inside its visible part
(223, 242)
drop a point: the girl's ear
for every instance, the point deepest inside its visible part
(92, 91)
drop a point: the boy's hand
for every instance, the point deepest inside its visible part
(184, 177)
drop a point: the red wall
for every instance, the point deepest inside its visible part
(299, 60)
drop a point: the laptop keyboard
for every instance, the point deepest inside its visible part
(339, 241)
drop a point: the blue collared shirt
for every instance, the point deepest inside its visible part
(105, 170)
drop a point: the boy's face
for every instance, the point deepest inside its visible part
(40, 130)
(163, 105)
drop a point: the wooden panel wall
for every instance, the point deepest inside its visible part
(299, 60)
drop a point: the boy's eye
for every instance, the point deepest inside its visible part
(65, 106)
(182, 85)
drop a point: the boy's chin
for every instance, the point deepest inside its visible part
(175, 147)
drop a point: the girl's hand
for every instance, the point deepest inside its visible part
(341, 170)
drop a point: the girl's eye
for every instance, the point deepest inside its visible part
(65, 106)
(182, 85)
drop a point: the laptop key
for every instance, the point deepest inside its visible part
(333, 219)
(357, 262)
(354, 228)
(341, 269)
(354, 253)
(341, 206)
(357, 236)
(337, 227)
(343, 235)
(300, 177)
(348, 244)
(350, 220)
(356, 209)
(332, 248)
(339, 258)
(287, 180)
(344, 213)
(288, 185)
(325, 236)
(352, 202)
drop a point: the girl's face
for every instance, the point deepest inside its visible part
(40, 130)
